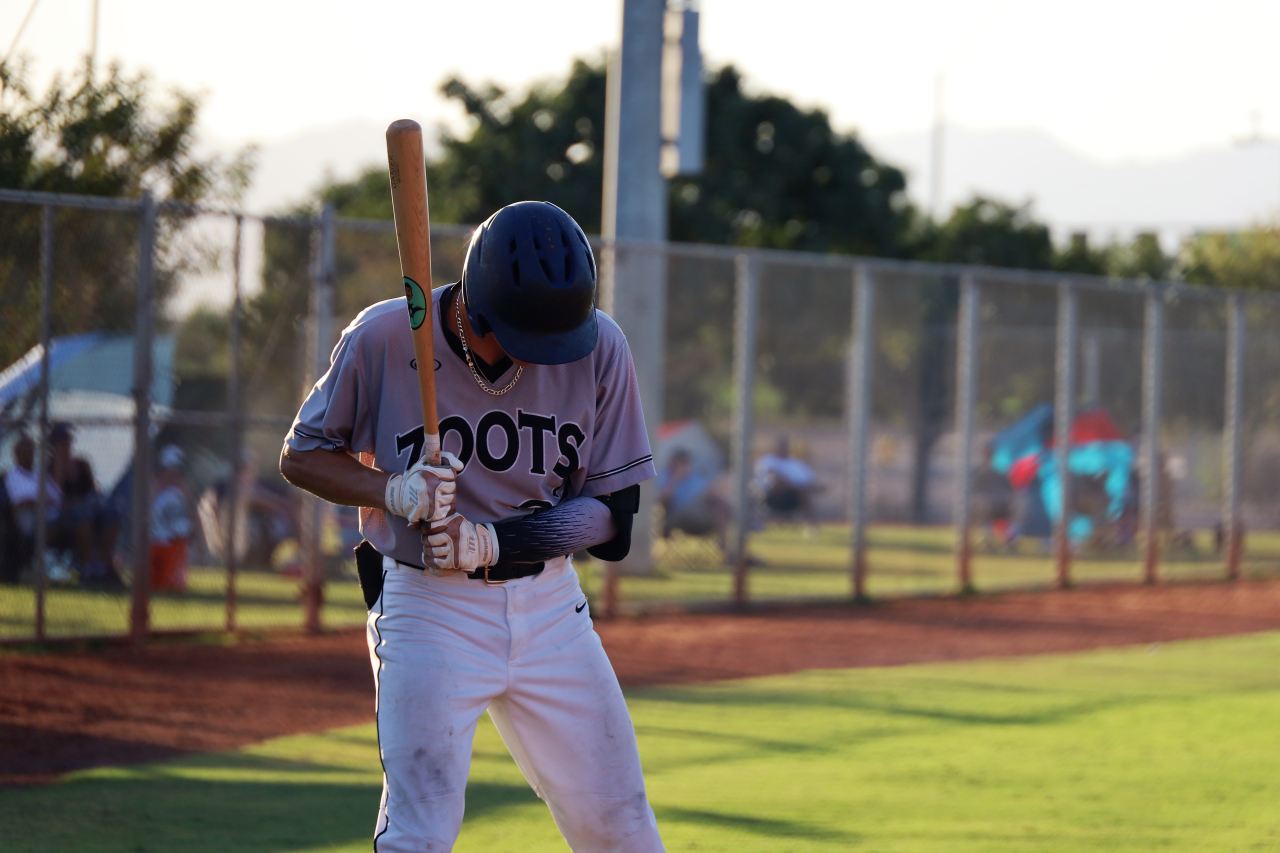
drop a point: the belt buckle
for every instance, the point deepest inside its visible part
(493, 582)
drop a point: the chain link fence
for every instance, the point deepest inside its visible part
(832, 427)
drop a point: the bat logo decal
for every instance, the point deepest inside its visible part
(417, 302)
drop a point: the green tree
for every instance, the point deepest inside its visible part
(1243, 260)
(992, 233)
(1079, 257)
(776, 175)
(1142, 258)
(101, 135)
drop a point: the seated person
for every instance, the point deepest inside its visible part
(85, 519)
(22, 489)
(690, 501)
(786, 484)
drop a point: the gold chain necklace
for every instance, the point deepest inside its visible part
(466, 351)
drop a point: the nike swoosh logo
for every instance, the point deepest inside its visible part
(578, 609)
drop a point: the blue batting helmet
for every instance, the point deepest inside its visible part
(530, 278)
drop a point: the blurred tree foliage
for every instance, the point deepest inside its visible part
(776, 176)
(101, 135)
(1245, 260)
(992, 233)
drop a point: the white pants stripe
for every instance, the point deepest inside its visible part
(445, 649)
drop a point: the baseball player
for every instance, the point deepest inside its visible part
(474, 601)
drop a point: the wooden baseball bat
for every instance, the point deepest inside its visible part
(406, 168)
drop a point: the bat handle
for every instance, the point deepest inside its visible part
(431, 448)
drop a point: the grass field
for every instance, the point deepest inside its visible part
(1169, 747)
(903, 560)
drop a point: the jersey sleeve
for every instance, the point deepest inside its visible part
(336, 414)
(620, 454)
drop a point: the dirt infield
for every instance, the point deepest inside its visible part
(63, 711)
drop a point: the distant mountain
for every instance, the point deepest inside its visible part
(290, 170)
(1219, 188)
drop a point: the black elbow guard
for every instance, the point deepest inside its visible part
(623, 506)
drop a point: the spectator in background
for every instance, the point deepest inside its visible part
(690, 501)
(86, 519)
(22, 485)
(22, 493)
(787, 485)
(171, 522)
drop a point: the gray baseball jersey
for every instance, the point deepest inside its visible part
(561, 431)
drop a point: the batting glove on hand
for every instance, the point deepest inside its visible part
(458, 545)
(425, 492)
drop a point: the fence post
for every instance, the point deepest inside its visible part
(1152, 392)
(1064, 415)
(140, 518)
(236, 409)
(322, 281)
(861, 354)
(1233, 435)
(747, 298)
(42, 431)
(966, 390)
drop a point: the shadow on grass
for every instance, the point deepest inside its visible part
(748, 697)
(764, 826)
(159, 811)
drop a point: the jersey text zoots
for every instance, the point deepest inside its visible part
(562, 430)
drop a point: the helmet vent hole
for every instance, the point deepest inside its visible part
(546, 268)
(512, 247)
(568, 266)
(515, 273)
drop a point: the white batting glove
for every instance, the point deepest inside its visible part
(458, 545)
(425, 492)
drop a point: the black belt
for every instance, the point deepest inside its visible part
(500, 573)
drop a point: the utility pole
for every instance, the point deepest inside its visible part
(935, 151)
(93, 41)
(633, 286)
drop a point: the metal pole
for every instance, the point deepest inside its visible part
(1064, 415)
(322, 272)
(1152, 392)
(140, 519)
(747, 280)
(1233, 435)
(237, 426)
(966, 392)
(860, 378)
(42, 431)
(633, 288)
(1091, 364)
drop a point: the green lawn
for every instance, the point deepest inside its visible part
(265, 600)
(1169, 747)
(903, 561)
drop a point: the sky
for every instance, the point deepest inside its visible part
(1120, 81)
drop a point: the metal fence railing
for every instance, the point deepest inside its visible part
(949, 427)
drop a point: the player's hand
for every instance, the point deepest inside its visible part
(455, 544)
(425, 492)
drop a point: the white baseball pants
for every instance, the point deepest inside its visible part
(443, 649)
